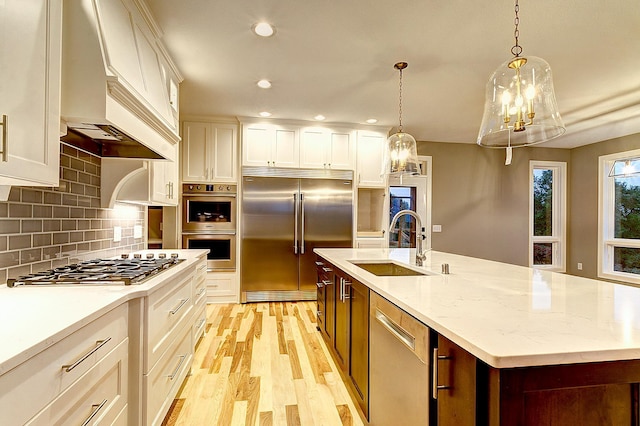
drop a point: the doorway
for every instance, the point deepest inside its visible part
(412, 193)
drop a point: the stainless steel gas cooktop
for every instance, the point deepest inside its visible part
(123, 271)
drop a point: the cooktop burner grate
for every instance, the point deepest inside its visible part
(99, 272)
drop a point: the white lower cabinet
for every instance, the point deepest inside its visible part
(163, 381)
(222, 287)
(82, 359)
(371, 243)
(98, 397)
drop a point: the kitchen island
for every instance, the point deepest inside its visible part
(112, 352)
(516, 345)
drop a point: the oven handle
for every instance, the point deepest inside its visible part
(295, 223)
(202, 195)
(205, 233)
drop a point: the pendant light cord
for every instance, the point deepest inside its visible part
(400, 104)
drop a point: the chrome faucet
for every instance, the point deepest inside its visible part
(420, 256)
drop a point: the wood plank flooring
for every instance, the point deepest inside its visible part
(263, 364)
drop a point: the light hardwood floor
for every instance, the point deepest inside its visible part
(263, 364)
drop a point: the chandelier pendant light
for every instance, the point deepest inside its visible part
(400, 155)
(520, 105)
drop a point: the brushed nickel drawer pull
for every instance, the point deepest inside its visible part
(202, 321)
(325, 269)
(436, 386)
(182, 302)
(99, 344)
(96, 409)
(173, 375)
(320, 284)
(202, 290)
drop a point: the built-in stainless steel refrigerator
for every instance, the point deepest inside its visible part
(286, 213)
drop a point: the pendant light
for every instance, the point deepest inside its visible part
(520, 105)
(400, 155)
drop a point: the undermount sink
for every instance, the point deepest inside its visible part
(388, 269)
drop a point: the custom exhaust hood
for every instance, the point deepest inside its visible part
(119, 87)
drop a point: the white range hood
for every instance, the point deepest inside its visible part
(119, 87)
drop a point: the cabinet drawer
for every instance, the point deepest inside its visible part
(219, 283)
(99, 396)
(43, 377)
(169, 309)
(199, 323)
(164, 380)
(200, 286)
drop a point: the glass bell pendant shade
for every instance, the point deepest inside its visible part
(400, 156)
(520, 105)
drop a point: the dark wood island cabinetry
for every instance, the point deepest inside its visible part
(469, 391)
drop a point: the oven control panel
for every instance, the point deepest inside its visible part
(213, 188)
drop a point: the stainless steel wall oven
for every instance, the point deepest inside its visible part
(209, 222)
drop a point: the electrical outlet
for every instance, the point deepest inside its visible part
(579, 266)
(117, 233)
(137, 231)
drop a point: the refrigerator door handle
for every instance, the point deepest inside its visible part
(302, 223)
(295, 223)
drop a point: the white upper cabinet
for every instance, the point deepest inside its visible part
(269, 145)
(370, 156)
(30, 54)
(209, 152)
(327, 148)
(163, 181)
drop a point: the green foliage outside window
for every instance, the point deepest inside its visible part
(542, 202)
(627, 225)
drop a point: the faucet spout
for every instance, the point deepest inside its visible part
(420, 256)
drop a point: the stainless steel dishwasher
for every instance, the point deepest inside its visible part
(399, 366)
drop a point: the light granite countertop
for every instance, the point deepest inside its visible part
(507, 315)
(36, 317)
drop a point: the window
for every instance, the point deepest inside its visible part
(619, 220)
(547, 217)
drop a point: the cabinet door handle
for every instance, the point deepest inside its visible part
(320, 284)
(99, 344)
(175, 372)
(177, 308)
(325, 269)
(436, 387)
(96, 409)
(5, 141)
(319, 263)
(202, 321)
(346, 293)
(326, 282)
(202, 290)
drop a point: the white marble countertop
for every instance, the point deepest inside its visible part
(33, 318)
(507, 315)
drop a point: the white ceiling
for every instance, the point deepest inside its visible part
(336, 57)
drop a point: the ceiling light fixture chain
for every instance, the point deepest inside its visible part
(400, 66)
(516, 50)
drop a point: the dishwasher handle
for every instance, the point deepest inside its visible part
(400, 333)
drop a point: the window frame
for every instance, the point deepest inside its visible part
(607, 242)
(559, 215)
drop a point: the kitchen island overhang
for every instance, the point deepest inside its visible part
(506, 315)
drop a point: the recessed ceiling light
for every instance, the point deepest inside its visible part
(265, 114)
(263, 29)
(319, 117)
(372, 120)
(264, 84)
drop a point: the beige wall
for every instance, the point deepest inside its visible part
(583, 199)
(483, 205)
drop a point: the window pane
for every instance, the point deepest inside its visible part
(626, 260)
(627, 207)
(543, 253)
(542, 202)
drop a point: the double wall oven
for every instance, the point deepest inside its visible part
(209, 222)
